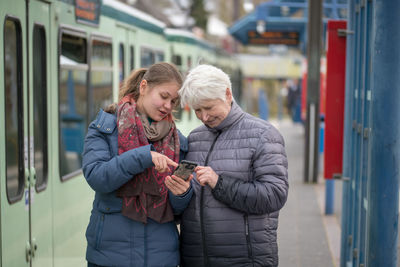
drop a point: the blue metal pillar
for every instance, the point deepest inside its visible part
(329, 196)
(346, 200)
(383, 203)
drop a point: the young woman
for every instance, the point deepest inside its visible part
(127, 156)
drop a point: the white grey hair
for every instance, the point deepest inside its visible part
(204, 82)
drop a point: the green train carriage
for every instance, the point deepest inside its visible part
(58, 70)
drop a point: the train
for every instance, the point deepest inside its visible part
(63, 60)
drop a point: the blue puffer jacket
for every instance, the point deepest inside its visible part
(114, 240)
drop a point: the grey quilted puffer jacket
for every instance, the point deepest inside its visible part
(235, 224)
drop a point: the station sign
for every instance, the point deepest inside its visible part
(88, 11)
(273, 37)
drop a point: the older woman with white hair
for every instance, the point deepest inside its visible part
(241, 181)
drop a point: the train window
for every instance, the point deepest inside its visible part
(132, 58)
(121, 63)
(73, 50)
(189, 62)
(200, 60)
(147, 57)
(177, 60)
(40, 107)
(159, 56)
(73, 110)
(13, 110)
(100, 77)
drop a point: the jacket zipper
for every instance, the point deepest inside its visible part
(203, 236)
(246, 225)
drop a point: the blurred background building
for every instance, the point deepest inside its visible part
(265, 67)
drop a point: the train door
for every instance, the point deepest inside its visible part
(26, 238)
(14, 166)
(39, 139)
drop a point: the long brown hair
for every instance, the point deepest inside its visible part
(158, 73)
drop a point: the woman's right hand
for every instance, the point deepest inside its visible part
(162, 162)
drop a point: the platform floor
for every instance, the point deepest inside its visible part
(306, 237)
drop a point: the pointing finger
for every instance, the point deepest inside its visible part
(171, 162)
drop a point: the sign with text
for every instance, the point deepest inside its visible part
(267, 38)
(88, 11)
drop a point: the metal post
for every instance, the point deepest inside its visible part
(314, 33)
(235, 17)
(329, 196)
(383, 202)
(345, 243)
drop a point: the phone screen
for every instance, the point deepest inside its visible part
(185, 169)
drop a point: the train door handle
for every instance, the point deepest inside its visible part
(33, 176)
(33, 247)
(27, 178)
(28, 252)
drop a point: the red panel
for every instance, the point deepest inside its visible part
(335, 91)
(304, 97)
(322, 90)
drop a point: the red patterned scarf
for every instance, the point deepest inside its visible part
(145, 196)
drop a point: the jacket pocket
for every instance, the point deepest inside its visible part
(247, 233)
(99, 230)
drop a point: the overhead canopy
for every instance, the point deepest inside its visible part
(282, 22)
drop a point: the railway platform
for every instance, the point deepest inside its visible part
(306, 237)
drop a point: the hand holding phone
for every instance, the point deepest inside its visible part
(185, 169)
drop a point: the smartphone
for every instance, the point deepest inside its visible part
(185, 169)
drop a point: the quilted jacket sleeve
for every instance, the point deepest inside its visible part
(267, 190)
(105, 172)
(179, 203)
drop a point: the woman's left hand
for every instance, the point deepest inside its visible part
(177, 185)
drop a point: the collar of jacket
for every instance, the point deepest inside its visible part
(234, 115)
(106, 122)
